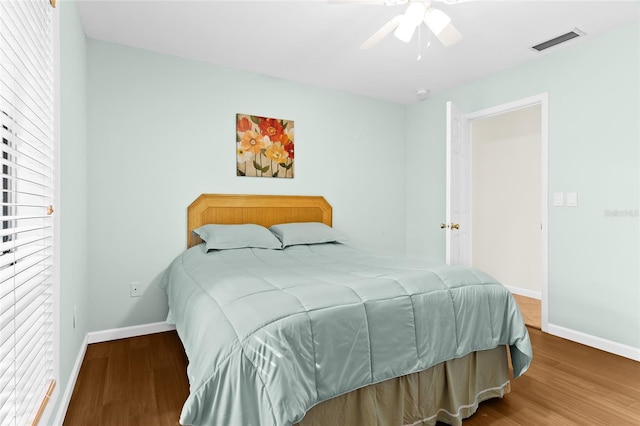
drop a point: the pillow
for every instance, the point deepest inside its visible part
(305, 233)
(219, 237)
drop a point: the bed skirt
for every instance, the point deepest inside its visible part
(448, 392)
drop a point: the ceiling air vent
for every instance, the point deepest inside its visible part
(557, 40)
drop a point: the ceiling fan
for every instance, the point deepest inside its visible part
(405, 25)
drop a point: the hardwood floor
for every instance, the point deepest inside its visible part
(531, 310)
(137, 381)
(142, 381)
(568, 384)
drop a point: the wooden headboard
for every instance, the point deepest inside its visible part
(265, 210)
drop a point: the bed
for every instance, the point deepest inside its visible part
(320, 333)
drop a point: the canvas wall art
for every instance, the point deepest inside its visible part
(264, 146)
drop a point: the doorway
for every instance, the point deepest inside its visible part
(505, 203)
(459, 197)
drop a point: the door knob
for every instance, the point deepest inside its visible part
(452, 226)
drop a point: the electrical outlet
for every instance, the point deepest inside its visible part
(136, 289)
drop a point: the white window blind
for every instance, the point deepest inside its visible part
(26, 236)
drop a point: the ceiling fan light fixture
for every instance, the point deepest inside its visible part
(436, 20)
(410, 21)
(449, 36)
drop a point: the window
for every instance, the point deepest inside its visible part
(6, 186)
(26, 247)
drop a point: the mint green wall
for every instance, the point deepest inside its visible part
(162, 131)
(594, 150)
(72, 208)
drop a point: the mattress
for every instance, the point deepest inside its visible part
(269, 334)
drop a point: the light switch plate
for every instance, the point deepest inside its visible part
(572, 199)
(558, 199)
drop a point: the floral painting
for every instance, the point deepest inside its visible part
(264, 146)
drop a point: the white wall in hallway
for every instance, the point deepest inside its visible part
(506, 194)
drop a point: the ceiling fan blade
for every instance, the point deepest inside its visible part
(449, 35)
(381, 33)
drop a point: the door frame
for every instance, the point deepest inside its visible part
(542, 100)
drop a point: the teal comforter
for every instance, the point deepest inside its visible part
(270, 333)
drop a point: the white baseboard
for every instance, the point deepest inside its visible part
(125, 332)
(596, 342)
(71, 383)
(525, 292)
(97, 337)
(579, 337)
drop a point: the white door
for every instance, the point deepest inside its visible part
(458, 223)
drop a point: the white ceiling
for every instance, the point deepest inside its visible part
(314, 42)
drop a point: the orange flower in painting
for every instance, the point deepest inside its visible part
(252, 142)
(277, 153)
(271, 127)
(244, 124)
(284, 139)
